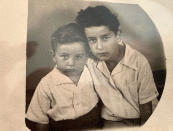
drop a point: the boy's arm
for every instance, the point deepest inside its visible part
(145, 112)
(42, 127)
(147, 90)
(110, 96)
(39, 105)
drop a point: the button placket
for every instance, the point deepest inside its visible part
(76, 101)
(111, 81)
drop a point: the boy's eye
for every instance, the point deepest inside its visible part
(79, 57)
(106, 37)
(92, 40)
(65, 57)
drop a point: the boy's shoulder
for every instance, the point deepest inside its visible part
(54, 77)
(134, 57)
(92, 61)
(46, 79)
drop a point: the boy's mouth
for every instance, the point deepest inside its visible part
(102, 54)
(70, 70)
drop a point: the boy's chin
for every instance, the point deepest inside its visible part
(71, 72)
(102, 58)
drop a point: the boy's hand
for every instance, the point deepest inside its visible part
(145, 111)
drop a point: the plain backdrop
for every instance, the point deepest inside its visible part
(44, 17)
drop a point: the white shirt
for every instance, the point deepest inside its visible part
(58, 97)
(133, 77)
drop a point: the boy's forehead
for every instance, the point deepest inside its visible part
(97, 30)
(71, 47)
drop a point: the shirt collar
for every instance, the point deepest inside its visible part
(129, 57)
(59, 78)
(127, 61)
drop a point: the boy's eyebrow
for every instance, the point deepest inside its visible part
(63, 53)
(107, 34)
(91, 37)
(80, 53)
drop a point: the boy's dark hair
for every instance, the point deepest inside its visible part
(98, 16)
(68, 34)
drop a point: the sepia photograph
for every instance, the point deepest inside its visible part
(80, 65)
(91, 65)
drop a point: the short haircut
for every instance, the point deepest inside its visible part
(98, 16)
(68, 34)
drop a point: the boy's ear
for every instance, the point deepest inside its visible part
(119, 36)
(119, 32)
(52, 53)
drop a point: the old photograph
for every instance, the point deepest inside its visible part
(91, 65)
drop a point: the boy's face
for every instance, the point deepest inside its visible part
(70, 58)
(103, 42)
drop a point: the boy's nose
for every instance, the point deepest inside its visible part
(99, 45)
(71, 62)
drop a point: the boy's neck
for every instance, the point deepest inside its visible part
(112, 63)
(75, 78)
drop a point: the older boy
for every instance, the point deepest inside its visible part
(118, 65)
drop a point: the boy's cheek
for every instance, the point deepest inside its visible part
(81, 64)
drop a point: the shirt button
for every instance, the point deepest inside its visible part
(77, 104)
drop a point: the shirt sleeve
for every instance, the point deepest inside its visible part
(147, 88)
(39, 105)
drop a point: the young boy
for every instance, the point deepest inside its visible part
(118, 66)
(65, 97)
